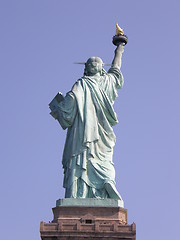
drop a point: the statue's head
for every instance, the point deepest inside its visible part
(93, 66)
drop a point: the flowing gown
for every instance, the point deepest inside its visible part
(87, 112)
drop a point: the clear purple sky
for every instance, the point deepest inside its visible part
(40, 40)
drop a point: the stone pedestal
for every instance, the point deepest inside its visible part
(88, 222)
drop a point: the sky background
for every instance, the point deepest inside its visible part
(39, 42)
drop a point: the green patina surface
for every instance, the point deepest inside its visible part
(88, 115)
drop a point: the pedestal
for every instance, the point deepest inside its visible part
(73, 220)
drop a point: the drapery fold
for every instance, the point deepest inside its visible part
(87, 111)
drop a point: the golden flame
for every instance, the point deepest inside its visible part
(119, 31)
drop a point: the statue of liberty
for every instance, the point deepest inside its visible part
(88, 115)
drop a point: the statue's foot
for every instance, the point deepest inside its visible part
(112, 191)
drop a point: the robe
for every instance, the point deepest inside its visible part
(87, 112)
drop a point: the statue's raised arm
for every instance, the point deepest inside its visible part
(118, 56)
(119, 40)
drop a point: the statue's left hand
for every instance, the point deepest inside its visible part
(54, 114)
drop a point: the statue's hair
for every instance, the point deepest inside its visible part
(103, 72)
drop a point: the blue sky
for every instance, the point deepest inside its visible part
(40, 40)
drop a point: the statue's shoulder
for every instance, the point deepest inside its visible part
(114, 70)
(78, 84)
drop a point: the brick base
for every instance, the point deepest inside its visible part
(83, 222)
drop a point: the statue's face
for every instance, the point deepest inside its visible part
(94, 65)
